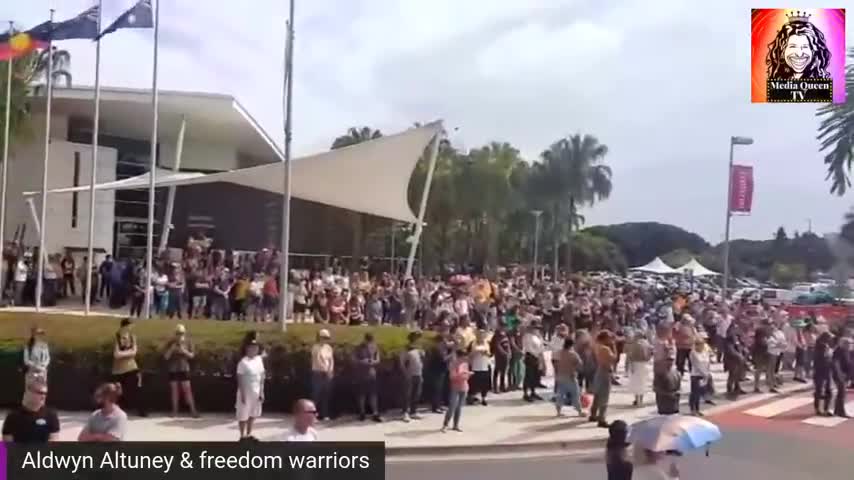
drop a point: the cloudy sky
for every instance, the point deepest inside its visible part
(663, 83)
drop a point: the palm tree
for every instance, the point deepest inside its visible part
(355, 136)
(574, 177)
(836, 134)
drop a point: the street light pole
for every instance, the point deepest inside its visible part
(733, 141)
(536, 214)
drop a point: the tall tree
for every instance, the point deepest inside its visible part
(575, 177)
(355, 136)
(836, 134)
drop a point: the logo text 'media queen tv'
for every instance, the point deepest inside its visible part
(812, 90)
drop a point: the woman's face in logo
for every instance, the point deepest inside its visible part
(798, 53)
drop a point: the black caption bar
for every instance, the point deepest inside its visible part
(196, 461)
(807, 90)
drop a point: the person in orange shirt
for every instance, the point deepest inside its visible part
(606, 360)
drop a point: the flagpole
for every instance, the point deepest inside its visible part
(284, 276)
(5, 172)
(90, 256)
(43, 213)
(152, 167)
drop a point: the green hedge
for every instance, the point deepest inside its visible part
(81, 350)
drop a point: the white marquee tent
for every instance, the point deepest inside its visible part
(656, 266)
(696, 268)
(370, 177)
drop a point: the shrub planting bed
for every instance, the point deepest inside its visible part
(81, 352)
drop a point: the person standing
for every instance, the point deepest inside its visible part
(762, 357)
(367, 358)
(105, 271)
(776, 348)
(32, 422)
(735, 363)
(479, 361)
(684, 334)
(606, 358)
(412, 365)
(305, 416)
(666, 384)
(532, 346)
(322, 372)
(502, 350)
(22, 273)
(638, 355)
(822, 372)
(179, 352)
(109, 422)
(567, 391)
(841, 373)
(125, 370)
(439, 360)
(250, 388)
(36, 354)
(701, 371)
(67, 266)
(459, 375)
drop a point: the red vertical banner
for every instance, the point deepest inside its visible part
(741, 188)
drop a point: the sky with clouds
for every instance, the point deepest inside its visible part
(663, 83)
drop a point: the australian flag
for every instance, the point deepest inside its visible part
(84, 25)
(139, 16)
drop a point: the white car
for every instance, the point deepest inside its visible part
(777, 296)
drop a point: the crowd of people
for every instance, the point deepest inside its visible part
(499, 336)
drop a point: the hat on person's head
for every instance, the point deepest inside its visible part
(324, 333)
(618, 435)
(180, 328)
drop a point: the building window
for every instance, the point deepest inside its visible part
(74, 198)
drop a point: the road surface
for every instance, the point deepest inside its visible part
(748, 450)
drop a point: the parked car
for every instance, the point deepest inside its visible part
(816, 298)
(777, 296)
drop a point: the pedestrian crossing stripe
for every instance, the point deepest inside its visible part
(783, 405)
(779, 406)
(830, 421)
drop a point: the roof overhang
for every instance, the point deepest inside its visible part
(211, 118)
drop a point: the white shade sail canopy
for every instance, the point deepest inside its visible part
(656, 266)
(696, 268)
(370, 177)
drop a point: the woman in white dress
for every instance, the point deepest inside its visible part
(250, 388)
(638, 355)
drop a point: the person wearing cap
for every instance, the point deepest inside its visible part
(125, 370)
(109, 422)
(412, 366)
(32, 422)
(178, 354)
(617, 462)
(322, 372)
(666, 384)
(251, 375)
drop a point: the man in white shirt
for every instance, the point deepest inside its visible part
(305, 414)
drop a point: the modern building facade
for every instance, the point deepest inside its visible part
(220, 136)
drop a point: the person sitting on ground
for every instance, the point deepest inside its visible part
(109, 422)
(305, 415)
